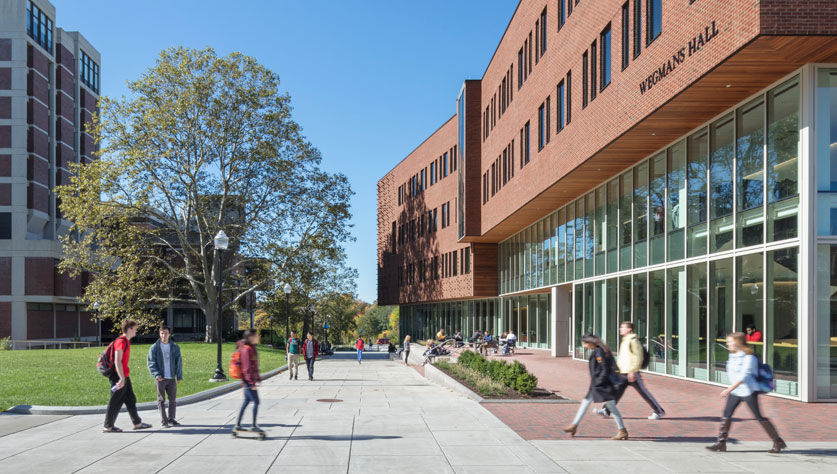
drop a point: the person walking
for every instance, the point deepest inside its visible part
(250, 378)
(359, 347)
(310, 350)
(166, 366)
(293, 356)
(407, 350)
(121, 391)
(629, 361)
(742, 370)
(606, 385)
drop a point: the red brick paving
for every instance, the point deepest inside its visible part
(693, 409)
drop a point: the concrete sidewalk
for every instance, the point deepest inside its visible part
(389, 419)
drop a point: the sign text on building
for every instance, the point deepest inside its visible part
(695, 44)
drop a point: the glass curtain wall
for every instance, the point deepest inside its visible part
(731, 184)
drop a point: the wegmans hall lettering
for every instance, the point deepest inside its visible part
(695, 45)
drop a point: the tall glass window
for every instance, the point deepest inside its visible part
(697, 150)
(826, 326)
(783, 147)
(750, 175)
(561, 245)
(626, 197)
(625, 291)
(578, 320)
(720, 316)
(612, 240)
(781, 333)
(641, 215)
(604, 41)
(658, 346)
(657, 198)
(655, 19)
(640, 302)
(601, 229)
(589, 235)
(543, 319)
(721, 141)
(749, 307)
(532, 324)
(611, 314)
(676, 201)
(697, 303)
(579, 238)
(676, 322)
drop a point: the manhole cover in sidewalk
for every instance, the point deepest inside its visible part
(329, 400)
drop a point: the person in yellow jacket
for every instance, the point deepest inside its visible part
(629, 361)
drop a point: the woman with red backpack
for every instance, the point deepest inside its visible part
(359, 347)
(743, 373)
(249, 362)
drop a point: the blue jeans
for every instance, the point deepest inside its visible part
(610, 405)
(250, 395)
(359, 354)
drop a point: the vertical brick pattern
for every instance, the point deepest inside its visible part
(39, 276)
(798, 17)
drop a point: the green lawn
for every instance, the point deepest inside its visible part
(68, 377)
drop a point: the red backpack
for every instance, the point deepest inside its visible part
(235, 364)
(105, 364)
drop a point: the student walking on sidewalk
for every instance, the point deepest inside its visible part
(629, 361)
(606, 385)
(121, 391)
(310, 350)
(359, 347)
(250, 378)
(407, 350)
(742, 370)
(293, 356)
(166, 367)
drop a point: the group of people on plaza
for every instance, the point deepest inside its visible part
(165, 365)
(609, 376)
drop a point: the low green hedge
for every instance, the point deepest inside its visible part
(514, 375)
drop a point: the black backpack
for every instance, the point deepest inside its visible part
(105, 364)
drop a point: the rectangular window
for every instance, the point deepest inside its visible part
(399, 195)
(520, 69)
(584, 79)
(655, 19)
(637, 27)
(604, 42)
(39, 26)
(493, 178)
(537, 41)
(593, 70)
(543, 32)
(562, 14)
(448, 216)
(559, 106)
(455, 264)
(467, 260)
(526, 59)
(548, 120)
(521, 148)
(445, 165)
(541, 124)
(505, 166)
(511, 159)
(485, 187)
(89, 72)
(444, 213)
(5, 225)
(511, 83)
(433, 173)
(626, 35)
(569, 8)
(453, 157)
(569, 96)
(530, 52)
(526, 142)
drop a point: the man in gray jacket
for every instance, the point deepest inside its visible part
(166, 367)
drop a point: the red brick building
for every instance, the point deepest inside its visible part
(49, 86)
(664, 162)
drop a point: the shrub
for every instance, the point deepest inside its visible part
(526, 383)
(5, 344)
(514, 375)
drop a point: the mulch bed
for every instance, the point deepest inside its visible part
(511, 394)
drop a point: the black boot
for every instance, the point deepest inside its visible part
(723, 433)
(778, 443)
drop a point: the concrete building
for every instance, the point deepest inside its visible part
(668, 163)
(49, 86)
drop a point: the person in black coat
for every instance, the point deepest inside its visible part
(606, 385)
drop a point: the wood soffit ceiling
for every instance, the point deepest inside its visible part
(761, 63)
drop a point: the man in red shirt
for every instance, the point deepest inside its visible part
(753, 334)
(121, 390)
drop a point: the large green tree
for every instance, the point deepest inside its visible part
(202, 143)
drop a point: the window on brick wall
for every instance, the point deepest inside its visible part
(569, 8)
(39, 26)
(89, 72)
(445, 165)
(530, 52)
(562, 13)
(548, 120)
(5, 225)
(520, 69)
(593, 71)
(454, 264)
(637, 27)
(655, 19)
(526, 143)
(584, 79)
(467, 260)
(604, 44)
(541, 125)
(559, 106)
(493, 178)
(543, 32)
(453, 158)
(626, 35)
(537, 41)
(569, 96)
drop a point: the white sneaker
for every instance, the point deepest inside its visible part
(656, 416)
(601, 412)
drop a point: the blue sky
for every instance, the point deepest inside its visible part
(369, 80)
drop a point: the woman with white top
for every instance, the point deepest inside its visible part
(742, 371)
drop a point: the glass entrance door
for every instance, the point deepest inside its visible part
(826, 326)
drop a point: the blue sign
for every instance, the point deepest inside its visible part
(326, 325)
(360, 330)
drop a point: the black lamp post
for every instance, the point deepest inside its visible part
(221, 243)
(287, 289)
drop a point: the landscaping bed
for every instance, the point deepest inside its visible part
(495, 379)
(68, 377)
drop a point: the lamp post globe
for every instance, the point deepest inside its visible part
(221, 242)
